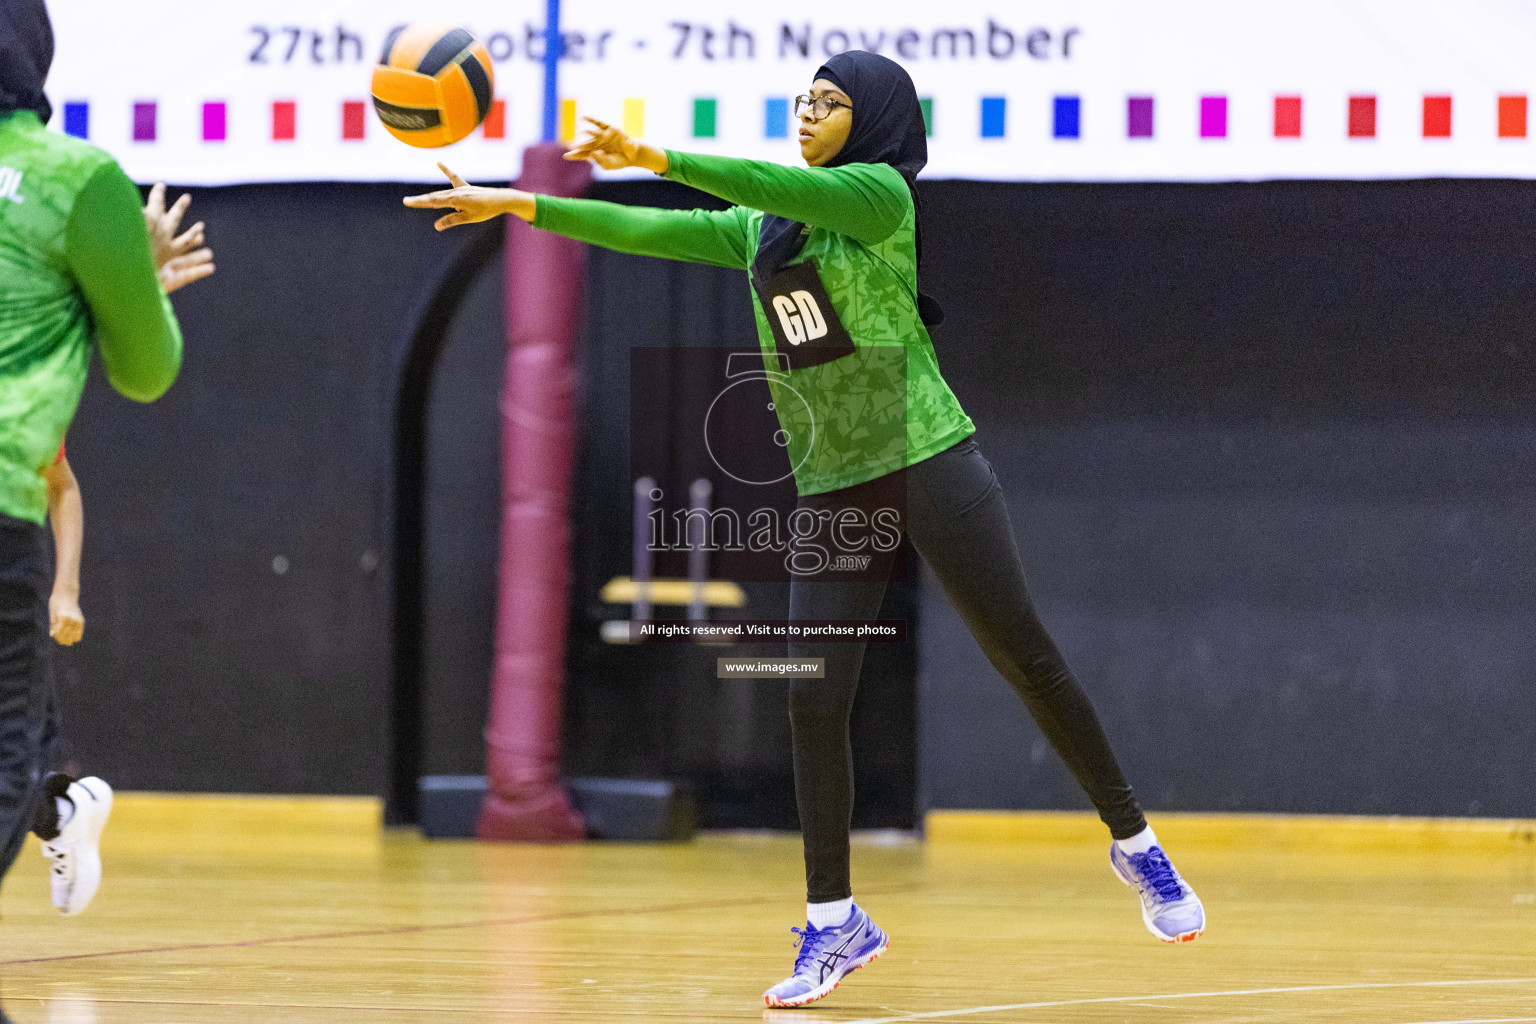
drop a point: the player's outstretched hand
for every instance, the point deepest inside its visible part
(611, 149)
(472, 203)
(179, 259)
(606, 146)
(66, 622)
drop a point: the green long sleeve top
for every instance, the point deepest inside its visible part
(878, 410)
(75, 261)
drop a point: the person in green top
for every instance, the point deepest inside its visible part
(80, 261)
(832, 252)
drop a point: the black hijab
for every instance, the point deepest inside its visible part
(26, 53)
(887, 128)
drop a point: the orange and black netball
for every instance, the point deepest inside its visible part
(432, 85)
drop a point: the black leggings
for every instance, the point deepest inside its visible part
(28, 711)
(958, 522)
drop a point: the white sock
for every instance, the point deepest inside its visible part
(829, 915)
(66, 810)
(1141, 842)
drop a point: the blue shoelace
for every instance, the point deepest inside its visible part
(810, 942)
(1157, 872)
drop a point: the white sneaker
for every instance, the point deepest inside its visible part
(826, 956)
(1169, 907)
(74, 855)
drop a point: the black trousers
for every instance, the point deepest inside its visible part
(29, 724)
(957, 520)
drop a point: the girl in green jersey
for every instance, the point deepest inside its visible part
(78, 271)
(832, 253)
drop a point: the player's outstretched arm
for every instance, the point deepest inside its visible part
(66, 515)
(866, 202)
(717, 237)
(124, 271)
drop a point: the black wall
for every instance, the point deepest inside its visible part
(1271, 455)
(203, 668)
(1269, 450)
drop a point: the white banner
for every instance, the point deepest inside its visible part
(199, 92)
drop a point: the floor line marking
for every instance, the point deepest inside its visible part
(494, 1010)
(541, 1013)
(930, 1015)
(414, 929)
(122, 1001)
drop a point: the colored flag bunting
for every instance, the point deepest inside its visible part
(1067, 118)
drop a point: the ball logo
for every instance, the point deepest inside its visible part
(800, 316)
(407, 119)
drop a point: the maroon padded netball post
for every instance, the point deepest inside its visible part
(524, 800)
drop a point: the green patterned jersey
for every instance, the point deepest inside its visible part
(880, 409)
(74, 259)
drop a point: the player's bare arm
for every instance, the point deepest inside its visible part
(66, 516)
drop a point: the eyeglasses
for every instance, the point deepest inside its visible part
(820, 106)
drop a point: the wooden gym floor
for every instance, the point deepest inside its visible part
(286, 911)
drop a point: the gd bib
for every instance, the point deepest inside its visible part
(805, 326)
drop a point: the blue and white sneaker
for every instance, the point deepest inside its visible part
(826, 956)
(1169, 906)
